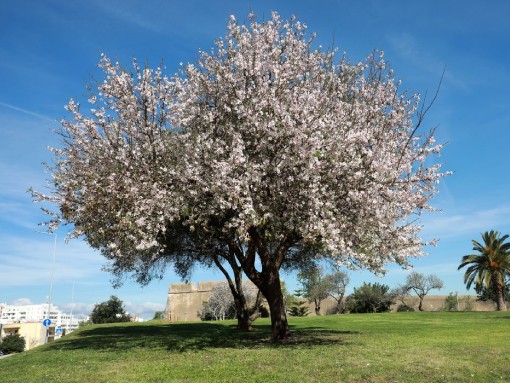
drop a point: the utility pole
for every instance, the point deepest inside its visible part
(51, 286)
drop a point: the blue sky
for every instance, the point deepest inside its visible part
(49, 52)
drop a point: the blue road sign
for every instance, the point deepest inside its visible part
(46, 322)
(58, 330)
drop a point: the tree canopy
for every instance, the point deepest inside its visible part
(110, 311)
(490, 266)
(421, 285)
(268, 147)
(12, 343)
(370, 298)
(315, 286)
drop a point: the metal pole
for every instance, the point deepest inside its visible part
(51, 284)
(70, 321)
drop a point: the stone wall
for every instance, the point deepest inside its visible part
(430, 303)
(185, 301)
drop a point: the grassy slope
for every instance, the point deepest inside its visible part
(403, 347)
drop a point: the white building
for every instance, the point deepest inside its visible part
(37, 313)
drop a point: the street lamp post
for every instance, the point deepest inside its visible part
(51, 285)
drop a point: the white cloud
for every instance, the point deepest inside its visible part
(28, 261)
(21, 302)
(471, 223)
(144, 310)
(78, 310)
(26, 111)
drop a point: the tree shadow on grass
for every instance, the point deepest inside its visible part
(182, 337)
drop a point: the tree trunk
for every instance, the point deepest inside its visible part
(420, 306)
(500, 301)
(317, 307)
(269, 285)
(244, 315)
(268, 279)
(244, 321)
(279, 323)
(341, 304)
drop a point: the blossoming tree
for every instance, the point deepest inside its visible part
(268, 146)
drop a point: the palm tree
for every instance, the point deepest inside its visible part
(490, 266)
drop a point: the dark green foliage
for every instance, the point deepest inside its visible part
(298, 309)
(12, 343)
(110, 311)
(487, 294)
(370, 298)
(159, 315)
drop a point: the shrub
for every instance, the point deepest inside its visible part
(370, 298)
(84, 323)
(469, 305)
(404, 308)
(299, 309)
(451, 302)
(110, 311)
(12, 343)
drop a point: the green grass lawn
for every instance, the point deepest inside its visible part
(397, 347)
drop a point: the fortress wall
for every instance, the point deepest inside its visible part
(185, 301)
(430, 303)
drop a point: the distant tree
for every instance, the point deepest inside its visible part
(159, 315)
(490, 266)
(110, 311)
(451, 302)
(370, 298)
(221, 305)
(12, 343)
(315, 286)
(298, 306)
(83, 323)
(299, 309)
(268, 145)
(401, 294)
(469, 304)
(336, 284)
(421, 285)
(288, 297)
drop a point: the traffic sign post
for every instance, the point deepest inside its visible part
(46, 322)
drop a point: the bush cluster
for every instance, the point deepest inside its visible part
(12, 343)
